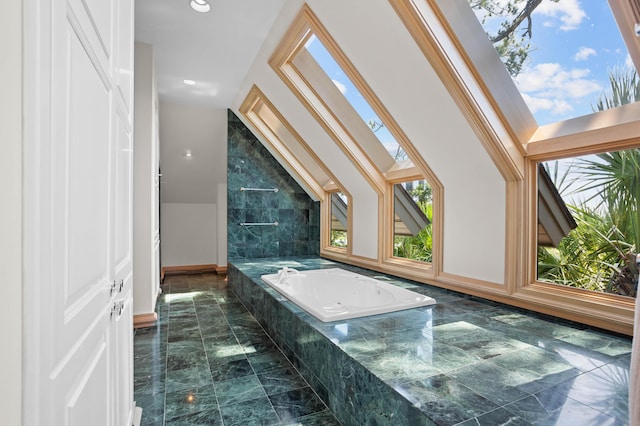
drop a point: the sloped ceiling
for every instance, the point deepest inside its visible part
(215, 49)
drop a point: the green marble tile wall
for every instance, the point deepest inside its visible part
(250, 165)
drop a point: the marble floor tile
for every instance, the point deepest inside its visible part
(239, 389)
(153, 408)
(187, 378)
(182, 360)
(222, 372)
(484, 344)
(550, 408)
(537, 368)
(248, 413)
(322, 418)
(268, 361)
(401, 367)
(497, 384)
(296, 403)
(210, 417)
(601, 343)
(149, 384)
(278, 381)
(189, 402)
(602, 389)
(498, 417)
(444, 400)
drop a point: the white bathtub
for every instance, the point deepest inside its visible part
(336, 294)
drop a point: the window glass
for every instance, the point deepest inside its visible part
(562, 55)
(339, 220)
(354, 97)
(412, 214)
(588, 221)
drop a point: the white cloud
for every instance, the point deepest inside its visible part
(584, 53)
(551, 87)
(341, 87)
(557, 106)
(628, 62)
(569, 12)
(537, 104)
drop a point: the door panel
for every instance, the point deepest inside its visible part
(79, 186)
(101, 15)
(95, 18)
(88, 404)
(122, 347)
(123, 197)
(124, 68)
(79, 192)
(86, 187)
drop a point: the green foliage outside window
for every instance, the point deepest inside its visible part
(600, 253)
(338, 238)
(418, 247)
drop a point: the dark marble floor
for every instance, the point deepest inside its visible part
(208, 362)
(479, 363)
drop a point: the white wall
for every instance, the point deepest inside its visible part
(203, 131)
(193, 191)
(146, 274)
(189, 235)
(11, 212)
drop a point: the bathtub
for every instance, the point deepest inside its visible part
(336, 294)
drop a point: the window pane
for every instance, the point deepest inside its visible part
(412, 206)
(588, 221)
(561, 56)
(354, 97)
(339, 236)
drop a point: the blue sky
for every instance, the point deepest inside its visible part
(575, 44)
(340, 79)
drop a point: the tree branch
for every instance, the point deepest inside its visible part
(524, 14)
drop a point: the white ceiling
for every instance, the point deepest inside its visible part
(215, 49)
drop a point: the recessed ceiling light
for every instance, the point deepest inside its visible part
(200, 6)
(187, 153)
(189, 82)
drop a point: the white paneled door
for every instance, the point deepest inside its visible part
(78, 199)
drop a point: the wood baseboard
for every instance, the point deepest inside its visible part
(145, 320)
(184, 269)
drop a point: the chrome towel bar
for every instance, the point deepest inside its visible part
(259, 189)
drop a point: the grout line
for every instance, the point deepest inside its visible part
(215, 392)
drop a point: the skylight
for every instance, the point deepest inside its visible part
(354, 97)
(573, 48)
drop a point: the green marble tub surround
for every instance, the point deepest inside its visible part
(463, 361)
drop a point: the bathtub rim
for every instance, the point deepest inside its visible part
(420, 300)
